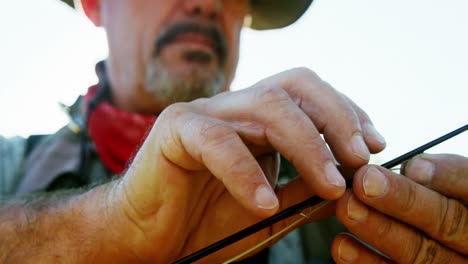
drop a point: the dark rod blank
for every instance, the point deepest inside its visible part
(312, 201)
(424, 147)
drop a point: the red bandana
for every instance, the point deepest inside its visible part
(117, 134)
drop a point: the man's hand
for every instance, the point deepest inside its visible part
(207, 169)
(198, 179)
(421, 218)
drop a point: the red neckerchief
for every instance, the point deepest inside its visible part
(116, 134)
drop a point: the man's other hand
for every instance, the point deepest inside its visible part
(421, 218)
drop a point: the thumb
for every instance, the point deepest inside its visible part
(444, 173)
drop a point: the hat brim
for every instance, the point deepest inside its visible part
(268, 14)
(273, 14)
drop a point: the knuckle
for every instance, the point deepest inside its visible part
(315, 145)
(241, 164)
(294, 119)
(426, 251)
(215, 139)
(385, 229)
(304, 71)
(272, 94)
(244, 169)
(214, 132)
(452, 221)
(171, 134)
(174, 111)
(326, 85)
(409, 199)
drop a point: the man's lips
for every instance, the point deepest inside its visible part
(196, 40)
(199, 42)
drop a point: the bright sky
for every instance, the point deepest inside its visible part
(404, 62)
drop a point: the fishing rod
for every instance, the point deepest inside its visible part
(312, 201)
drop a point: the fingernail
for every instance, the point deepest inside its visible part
(333, 176)
(265, 198)
(375, 183)
(359, 147)
(421, 170)
(356, 210)
(347, 251)
(371, 130)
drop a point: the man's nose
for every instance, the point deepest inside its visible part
(207, 9)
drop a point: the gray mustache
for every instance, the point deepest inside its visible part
(211, 32)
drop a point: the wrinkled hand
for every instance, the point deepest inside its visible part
(198, 179)
(421, 218)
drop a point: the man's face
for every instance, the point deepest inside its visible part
(166, 51)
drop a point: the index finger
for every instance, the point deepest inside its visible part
(268, 116)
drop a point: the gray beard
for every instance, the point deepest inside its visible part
(170, 88)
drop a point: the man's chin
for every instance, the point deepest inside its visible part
(185, 81)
